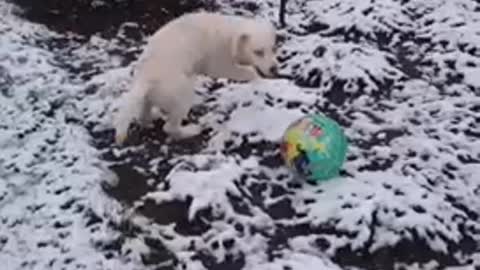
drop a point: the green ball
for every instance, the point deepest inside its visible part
(315, 147)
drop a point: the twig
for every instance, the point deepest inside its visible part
(283, 4)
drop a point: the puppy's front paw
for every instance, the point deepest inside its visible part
(191, 130)
(179, 133)
(252, 74)
(243, 74)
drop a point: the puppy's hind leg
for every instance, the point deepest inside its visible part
(146, 116)
(182, 99)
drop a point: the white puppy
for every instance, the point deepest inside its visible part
(219, 46)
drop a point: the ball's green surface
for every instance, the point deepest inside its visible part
(315, 147)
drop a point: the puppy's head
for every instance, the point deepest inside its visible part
(255, 46)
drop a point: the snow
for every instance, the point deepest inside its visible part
(412, 174)
(184, 182)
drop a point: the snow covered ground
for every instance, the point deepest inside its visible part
(402, 77)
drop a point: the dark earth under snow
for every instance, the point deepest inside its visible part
(402, 78)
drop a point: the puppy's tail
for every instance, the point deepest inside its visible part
(131, 108)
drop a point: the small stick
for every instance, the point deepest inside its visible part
(283, 4)
(285, 76)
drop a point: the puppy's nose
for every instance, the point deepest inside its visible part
(274, 70)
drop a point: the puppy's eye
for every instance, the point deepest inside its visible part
(259, 53)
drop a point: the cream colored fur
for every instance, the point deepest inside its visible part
(214, 45)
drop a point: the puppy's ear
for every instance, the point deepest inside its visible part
(239, 49)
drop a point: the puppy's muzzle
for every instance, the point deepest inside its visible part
(272, 72)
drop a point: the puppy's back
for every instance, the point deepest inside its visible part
(188, 39)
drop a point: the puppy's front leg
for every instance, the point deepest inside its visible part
(174, 124)
(241, 73)
(178, 107)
